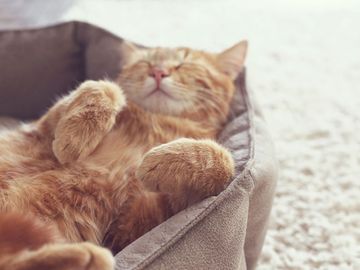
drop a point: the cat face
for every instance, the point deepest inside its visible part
(181, 81)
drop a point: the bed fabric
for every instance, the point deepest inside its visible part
(222, 232)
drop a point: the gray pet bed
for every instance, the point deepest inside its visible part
(223, 232)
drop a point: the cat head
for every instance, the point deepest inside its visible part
(182, 82)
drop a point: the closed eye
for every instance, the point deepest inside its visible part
(143, 62)
(190, 66)
(186, 64)
(179, 66)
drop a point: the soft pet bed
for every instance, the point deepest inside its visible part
(223, 232)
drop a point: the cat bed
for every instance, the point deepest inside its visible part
(222, 232)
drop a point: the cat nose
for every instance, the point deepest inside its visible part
(158, 74)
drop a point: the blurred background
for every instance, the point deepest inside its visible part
(304, 67)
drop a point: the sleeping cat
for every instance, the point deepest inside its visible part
(112, 160)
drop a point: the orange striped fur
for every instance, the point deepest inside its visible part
(112, 160)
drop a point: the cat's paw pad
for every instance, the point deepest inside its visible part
(202, 166)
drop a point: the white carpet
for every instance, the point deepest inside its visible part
(304, 65)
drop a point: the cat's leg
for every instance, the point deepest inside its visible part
(85, 117)
(27, 243)
(188, 170)
(142, 212)
(171, 177)
(77, 256)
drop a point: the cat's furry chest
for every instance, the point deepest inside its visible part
(116, 152)
(135, 133)
(124, 147)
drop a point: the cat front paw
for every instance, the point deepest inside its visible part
(106, 91)
(90, 114)
(199, 167)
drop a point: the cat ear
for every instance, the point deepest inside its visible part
(129, 51)
(232, 60)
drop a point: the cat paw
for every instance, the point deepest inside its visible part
(90, 115)
(107, 91)
(201, 167)
(76, 256)
(84, 256)
(96, 258)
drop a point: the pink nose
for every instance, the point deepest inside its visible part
(158, 74)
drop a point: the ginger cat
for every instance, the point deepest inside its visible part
(112, 160)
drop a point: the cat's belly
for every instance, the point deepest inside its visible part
(118, 152)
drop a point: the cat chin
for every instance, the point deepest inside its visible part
(160, 93)
(160, 103)
(163, 101)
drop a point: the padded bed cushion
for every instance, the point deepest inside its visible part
(222, 232)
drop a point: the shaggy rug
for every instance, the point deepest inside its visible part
(304, 66)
